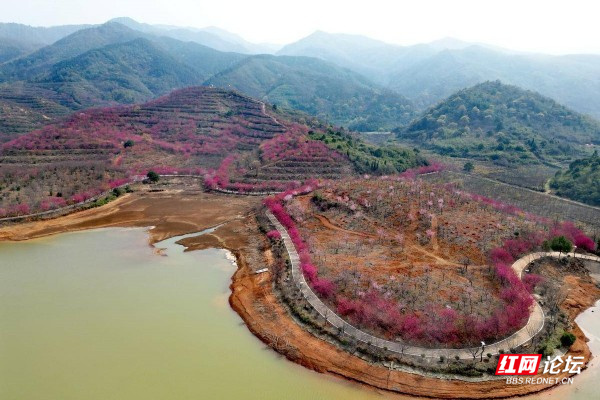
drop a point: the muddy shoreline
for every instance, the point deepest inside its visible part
(178, 211)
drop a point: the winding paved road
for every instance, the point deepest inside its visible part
(533, 327)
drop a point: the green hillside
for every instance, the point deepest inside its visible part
(204, 60)
(505, 124)
(368, 158)
(581, 181)
(68, 47)
(331, 93)
(124, 73)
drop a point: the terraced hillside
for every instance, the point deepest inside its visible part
(292, 157)
(24, 108)
(229, 137)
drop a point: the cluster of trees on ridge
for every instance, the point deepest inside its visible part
(384, 159)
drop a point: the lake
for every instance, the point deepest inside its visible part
(99, 315)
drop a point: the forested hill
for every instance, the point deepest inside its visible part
(581, 181)
(334, 94)
(503, 123)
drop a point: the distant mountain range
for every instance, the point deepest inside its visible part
(347, 80)
(114, 64)
(39, 35)
(428, 73)
(211, 36)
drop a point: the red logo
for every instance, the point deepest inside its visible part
(518, 364)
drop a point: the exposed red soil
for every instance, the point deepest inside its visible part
(368, 248)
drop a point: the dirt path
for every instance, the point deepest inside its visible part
(270, 321)
(428, 253)
(330, 225)
(263, 108)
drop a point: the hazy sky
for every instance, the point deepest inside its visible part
(548, 26)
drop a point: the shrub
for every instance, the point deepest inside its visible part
(531, 281)
(561, 244)
(153, 176)
(499, 255)
(545, 349)
(584, 242)
(324, 287)
(567, 339)
(310, 272)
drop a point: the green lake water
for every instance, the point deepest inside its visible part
(97, 315)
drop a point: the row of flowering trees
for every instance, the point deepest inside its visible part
(51, 203)
(57, 200)
(565, 228)
(574, 234)
(324, 287)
